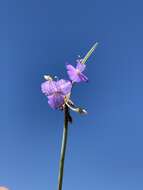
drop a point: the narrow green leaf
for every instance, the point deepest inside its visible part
(89, 53)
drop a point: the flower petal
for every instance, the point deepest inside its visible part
(80, 66)
(75, 74)
(56, 101)
(80, 77)
(70, 68)
(49, 87)
(64, 86)
(72, 73)
(83, 78)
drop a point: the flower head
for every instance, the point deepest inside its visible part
(75, 73)
(56, 91)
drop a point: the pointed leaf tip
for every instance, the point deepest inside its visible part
(89, 52)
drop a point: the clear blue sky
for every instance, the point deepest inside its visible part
(105, 147)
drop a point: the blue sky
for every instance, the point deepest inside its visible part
(104, 147)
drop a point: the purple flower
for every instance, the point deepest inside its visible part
(56, 91)
(75, 73)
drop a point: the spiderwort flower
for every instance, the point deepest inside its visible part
(56, 91)
(75, 73)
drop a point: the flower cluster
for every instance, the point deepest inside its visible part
(58, 91)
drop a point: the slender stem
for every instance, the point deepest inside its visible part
(63, 148)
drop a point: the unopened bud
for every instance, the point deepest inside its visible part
(47, 77)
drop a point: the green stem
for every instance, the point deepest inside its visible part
(63, 148)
